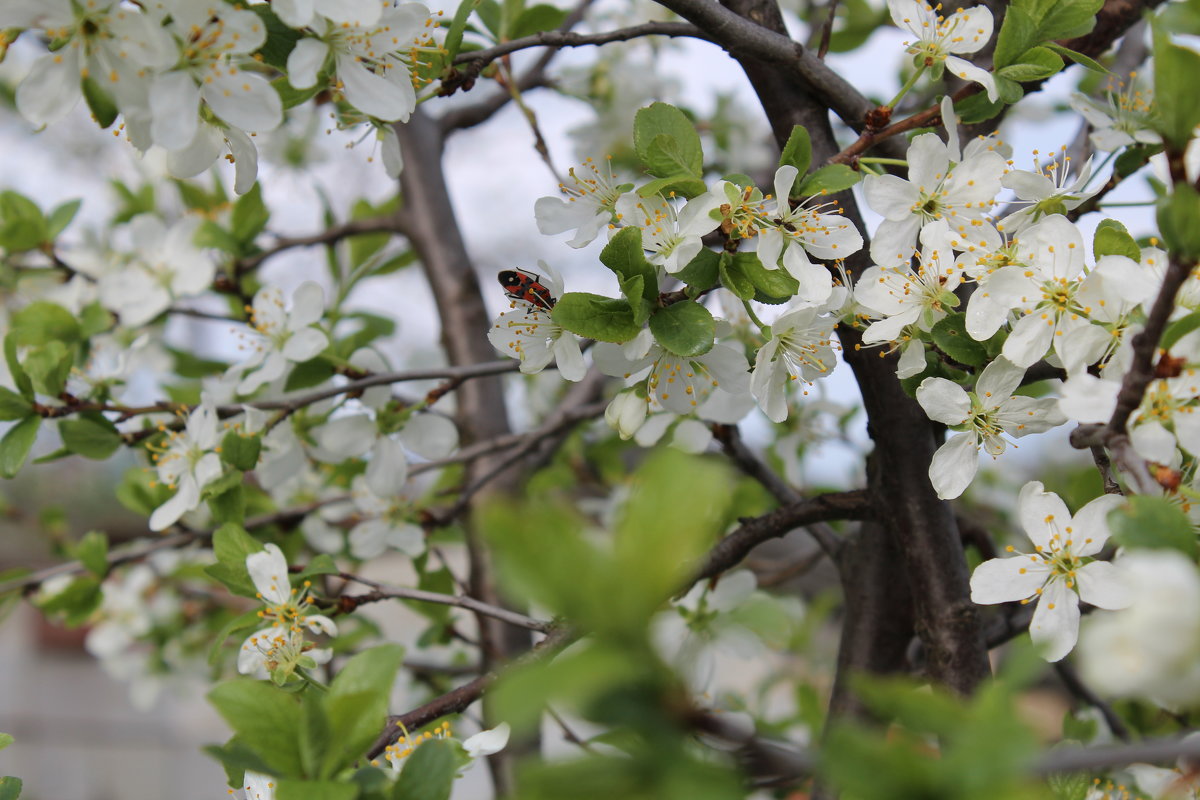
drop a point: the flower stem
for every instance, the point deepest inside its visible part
(766, 329)
(899, 162)
(907, 85)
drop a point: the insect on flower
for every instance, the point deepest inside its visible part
(527, 287)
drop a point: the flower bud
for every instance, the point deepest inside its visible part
(626, 413)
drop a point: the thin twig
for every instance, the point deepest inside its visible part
(328, 236)
(1075, 685)
(382, 591)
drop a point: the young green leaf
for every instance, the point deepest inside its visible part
(686, 329)
(16, 444)
(667, 142)
(596, 317)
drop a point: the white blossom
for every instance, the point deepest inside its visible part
(187, 465)
(940, 40)
(281, 337)
(671, 235)
(1060, 572)
(590, 204)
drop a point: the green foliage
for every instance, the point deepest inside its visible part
(669, 147)
(92, 551)
(596, 317)
(265, 719)
(22, 225)
(686, 329)
(1177, 215)
(983, 747)
(231, 545)
(829, 179)
(429, 772)
(637, 277)
(1178, 329)
(771, 286)
(5, 740)
(951, 337)
(241, 451)
(797, 152)
(1175, 96)
(75, 603)
(90, 434)
(1153, 523)
(1029, 23)
(16, 444)
(249, 217)
(701, 272)
(1113, 239)
(99, 102)
(10, 788)
(13, 406)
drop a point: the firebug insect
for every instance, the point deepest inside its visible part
(527, 287)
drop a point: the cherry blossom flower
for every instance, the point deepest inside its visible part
(789, 235)
(941, 40)
(589, 206)
(528, 333)
(1122, 118)
(1047, 191)
(188, 464)
(281, 648)
(108, 41)
(1151, 648)
(937, 189)
(164, 267)
(386, 524)
(626, 412)
(679, 384)
(371, 58)
(981, 418)
(1060, 572)
(281, 337)
(258, 786)
(671, 236)
(900, 297)
(800, 348)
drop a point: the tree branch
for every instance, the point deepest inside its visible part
(329, 236)
(348, 603)
(728, 552)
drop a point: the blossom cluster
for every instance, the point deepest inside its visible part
(191, 77)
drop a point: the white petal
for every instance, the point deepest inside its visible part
(1090, 524)
(488, 742)
(51, 88)
(430, 436)
(1055, 623)
(387, 470)
(305, 61)
(305, 344)
(1039, 512)
(308, 305)
(1004, 580)
(245, 159)
(174, 102)
(374, 95)
(269, 571)
(954, 465)
(1102, 585)
(944, 401)
(244, 100)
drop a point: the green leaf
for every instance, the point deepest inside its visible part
(13, 406)
(250, 216)
(99, 102)
(1175, 95)
(309, 373)
(1069, 19)
(76, 602)
(19, 375)
(5, 740)
(61, 217)
(243, 622)
(702, 272)
(265, 719)
(1112, 239)
(289, 789)
(1018, 33)
(538, 18)
(454, 35)
(596, 317)
(227, 502)
(772, 286)
(231, 545)
(10, 787)
(1079, 58)
(1178, 329)
(15, 446)
(210, 234)
(733, 277)
(241, 452)
(978, 108)
(49, 366)
(624, 255)
(43, 322)
(798, 153)
(429, 772)
(681, 185)
(1134, 158)
(666, 142)
(951, 337)
(92, 552)
(1035, 64)
(1154, 523)
(1178, 213)
(91, 435)
(830, 179)
(23, 226)
(686, 329)
(290, 96)
(94, 318)
(1008, 91)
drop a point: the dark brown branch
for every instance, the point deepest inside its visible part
(458, 700)
(730, 551)
(1075, 685)
(1084, 759)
